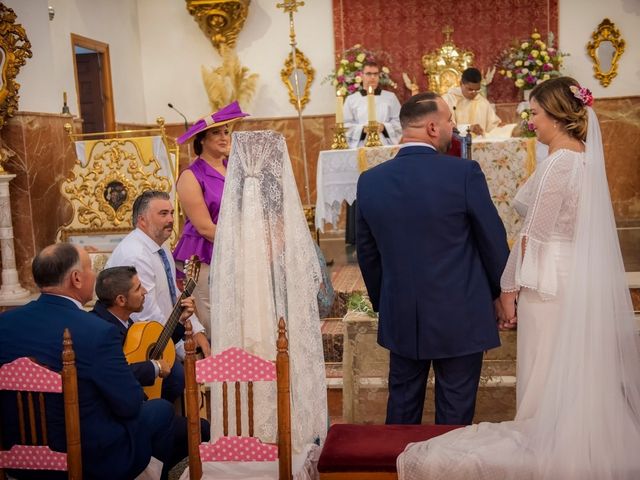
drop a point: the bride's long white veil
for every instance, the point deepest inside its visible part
(587, 426)
(264, 267)
(588, 423)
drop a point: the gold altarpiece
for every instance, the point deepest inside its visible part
(111, 170)
(445, 65)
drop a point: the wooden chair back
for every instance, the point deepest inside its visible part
(252, 369)
(31, 381)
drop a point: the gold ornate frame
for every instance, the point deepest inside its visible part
(101, 193)
(220, 20)
(445, 65)
(304, 64)
(606, 32)
(15, 48)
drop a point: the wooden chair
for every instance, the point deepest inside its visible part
(26, 377)
(238, 448)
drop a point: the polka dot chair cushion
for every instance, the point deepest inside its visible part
(238, 449)
(33, 457)
(23, 374)
(234, 365)
(26, 375)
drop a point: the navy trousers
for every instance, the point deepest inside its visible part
(456, 388)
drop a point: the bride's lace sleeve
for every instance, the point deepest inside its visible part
(550, 213)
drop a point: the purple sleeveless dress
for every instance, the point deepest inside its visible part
(212, 185)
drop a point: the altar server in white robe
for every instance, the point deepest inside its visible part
(387, 110)
(469, 107)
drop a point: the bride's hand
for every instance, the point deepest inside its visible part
(508, 302)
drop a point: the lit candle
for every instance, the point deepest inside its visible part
(371, 105)
(339, 107)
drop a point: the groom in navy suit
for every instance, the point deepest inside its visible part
(119, 432)
(431, 248)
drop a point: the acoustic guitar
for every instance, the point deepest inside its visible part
(151, 340)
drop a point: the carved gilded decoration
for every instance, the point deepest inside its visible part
(306, 75)
(220, 20)
(107, 178)
(605, 49)
(230, 81)
(15, 48)
(445, 65)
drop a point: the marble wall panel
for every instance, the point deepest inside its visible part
(43, 159)
(620, 125)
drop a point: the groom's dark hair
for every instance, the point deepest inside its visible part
(418, 107)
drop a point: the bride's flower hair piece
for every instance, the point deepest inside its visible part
(583, 94)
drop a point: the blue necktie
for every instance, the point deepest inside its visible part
(169, 274)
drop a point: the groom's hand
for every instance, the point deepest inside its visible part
(499, 311)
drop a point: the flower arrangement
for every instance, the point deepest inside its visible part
(531, 61)
(526, 127)
(347, 77)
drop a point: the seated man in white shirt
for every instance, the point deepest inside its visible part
(468, 107)
(144, 249)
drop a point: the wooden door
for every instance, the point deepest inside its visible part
(90, 92)
(92, 69)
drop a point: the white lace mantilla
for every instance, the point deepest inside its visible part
(265, 267)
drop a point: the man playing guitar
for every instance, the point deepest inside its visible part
(121, 293)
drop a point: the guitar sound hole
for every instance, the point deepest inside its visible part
(150, 350)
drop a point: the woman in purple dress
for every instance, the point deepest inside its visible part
(200, 188)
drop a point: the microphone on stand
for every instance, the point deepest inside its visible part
(186, 123)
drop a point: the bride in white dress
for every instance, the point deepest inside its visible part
(578, 371)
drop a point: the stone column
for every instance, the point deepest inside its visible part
(11, 288)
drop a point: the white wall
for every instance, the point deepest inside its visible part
(174, 49)
(50, 71)
(578, 19)
(40, 90)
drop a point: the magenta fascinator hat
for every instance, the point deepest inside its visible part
(223, 116)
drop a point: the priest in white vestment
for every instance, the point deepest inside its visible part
(387, 110)
(468, 107)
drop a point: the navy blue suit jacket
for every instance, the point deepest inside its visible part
(144, 372)
(109, 395)
(431, 248)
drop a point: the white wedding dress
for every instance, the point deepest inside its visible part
(265, 267)
(578, 370)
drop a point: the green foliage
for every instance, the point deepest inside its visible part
(359, 302)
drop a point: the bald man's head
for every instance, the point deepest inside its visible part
(64, 269)
(53, 263)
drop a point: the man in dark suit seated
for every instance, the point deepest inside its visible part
(119, 432)
(431, 248)
(121, 293)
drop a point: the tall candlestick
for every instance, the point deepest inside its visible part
(339, 107)
(371, 105)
